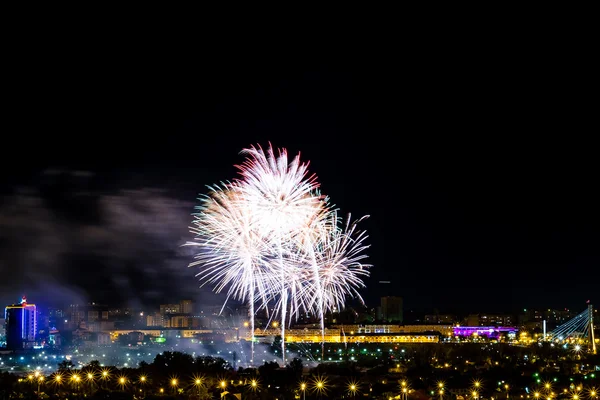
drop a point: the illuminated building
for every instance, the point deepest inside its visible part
(170, 309)
(21, 325)
(2, 333)
(187, 307)
(359, 334)
(87, 313)
(156, 319)
(491, 332)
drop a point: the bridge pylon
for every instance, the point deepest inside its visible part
(591, 328)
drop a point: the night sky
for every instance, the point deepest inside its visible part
(477, 167)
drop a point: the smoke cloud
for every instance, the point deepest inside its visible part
(76, 243)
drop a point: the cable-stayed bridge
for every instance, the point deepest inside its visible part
(578, 330)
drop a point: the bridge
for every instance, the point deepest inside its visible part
(576, 331)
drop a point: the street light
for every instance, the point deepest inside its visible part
(476, 388)
(198, 382)
(303, 388)
(40, 380)
(440, 386)
(404, 390)
(104, 377)
(320, 385)
(90, 379)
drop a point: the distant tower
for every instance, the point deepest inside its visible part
(21, 325)
(391, 309)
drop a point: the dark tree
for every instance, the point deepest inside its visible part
(65, 365)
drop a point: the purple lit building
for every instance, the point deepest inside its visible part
(21, 325)
(490, 332)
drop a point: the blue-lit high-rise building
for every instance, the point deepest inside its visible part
(21, 325)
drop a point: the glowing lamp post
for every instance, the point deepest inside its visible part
(90, 379)
(76, 379)
(352, 388)
(142, 381)
(477, 385)
(404, 387)
(40, 379)
(104, 378)
(320, 387)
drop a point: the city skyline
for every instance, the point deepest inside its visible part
(497, 218)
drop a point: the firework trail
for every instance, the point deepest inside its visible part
(271, 237)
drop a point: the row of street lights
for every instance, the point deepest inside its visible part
(318, 385)
(122, 381)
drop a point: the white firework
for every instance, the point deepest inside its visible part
(270, 237)
(231, 254)
(286, 209)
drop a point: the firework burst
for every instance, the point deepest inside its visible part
(270, 237)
